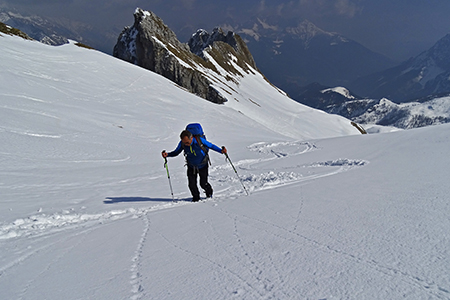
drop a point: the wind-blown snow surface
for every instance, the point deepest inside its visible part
(86, 211)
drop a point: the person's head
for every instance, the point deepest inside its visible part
(186, 137)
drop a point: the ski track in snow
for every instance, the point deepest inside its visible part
(267, 288)
(227, 186)
(297, 238)
(136, 276)
(226, 183)
(287, 174)
(255, 283)
(54, 261)
(47, 247)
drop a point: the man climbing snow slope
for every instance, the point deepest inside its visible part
(196, 149)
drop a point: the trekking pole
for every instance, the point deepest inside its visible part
(226, 154)
(168, 176)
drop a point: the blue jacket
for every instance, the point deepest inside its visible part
(194, 154)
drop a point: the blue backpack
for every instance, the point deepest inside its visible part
(197, 131)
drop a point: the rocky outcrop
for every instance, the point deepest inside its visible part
(12, 31)
(149, 43)
(202, 40)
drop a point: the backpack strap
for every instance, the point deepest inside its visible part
(199, 142)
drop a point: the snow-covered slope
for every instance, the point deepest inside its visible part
(339, 90)
(86, 211)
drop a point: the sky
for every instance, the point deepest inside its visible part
(398, 29)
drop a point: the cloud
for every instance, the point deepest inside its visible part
(346, 8)
(188, 4)
(262, 5)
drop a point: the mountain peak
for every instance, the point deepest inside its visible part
(307, 30)
(207, 58)
(439, 53)
(424, 75)
(202, 40)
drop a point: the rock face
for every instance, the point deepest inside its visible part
(149, 43)
(5, 29)
(201, 40)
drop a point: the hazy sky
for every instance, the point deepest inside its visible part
(396, 28)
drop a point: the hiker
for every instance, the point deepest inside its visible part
(197, 158)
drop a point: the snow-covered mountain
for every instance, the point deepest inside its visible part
(341, 101)
(387, 113)
(422, 76)
(39, 28)
(227, 74)
(53, 31)
(293, 55)
(322, 97)
(206, 59)
(86, 211)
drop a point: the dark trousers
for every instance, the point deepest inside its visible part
(192, 182)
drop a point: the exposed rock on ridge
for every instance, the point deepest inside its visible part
(149, 43)
(202, 40)
(12, 31)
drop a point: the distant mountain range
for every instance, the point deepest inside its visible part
(39, 28)
(340, 101)
(58, 31)
(293, 56)
(424, 75)
(387, 113)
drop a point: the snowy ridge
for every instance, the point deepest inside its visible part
(403, 116)
(340, 90)
(41, 223)
(251, 95)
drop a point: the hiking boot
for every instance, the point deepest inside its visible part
(209, 194)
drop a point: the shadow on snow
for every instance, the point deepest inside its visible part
(111, 200)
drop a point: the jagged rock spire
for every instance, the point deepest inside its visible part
(150, 44)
